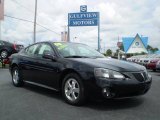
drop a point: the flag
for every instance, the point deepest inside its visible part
(1, 9)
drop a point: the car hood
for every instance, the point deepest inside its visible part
(109, 63)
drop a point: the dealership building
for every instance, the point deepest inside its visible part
(137, 44)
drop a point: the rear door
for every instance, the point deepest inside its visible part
(28, 62)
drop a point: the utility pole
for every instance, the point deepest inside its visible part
(35, 22)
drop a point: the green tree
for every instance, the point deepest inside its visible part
(108, 52)
(155, 50)
(151, 49)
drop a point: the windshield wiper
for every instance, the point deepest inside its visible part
(76, 56)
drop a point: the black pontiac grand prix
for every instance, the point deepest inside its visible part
(78, 71)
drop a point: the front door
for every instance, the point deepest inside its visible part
(47, 68)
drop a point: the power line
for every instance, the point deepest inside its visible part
(19, 18)
(48, 29)
(23, 6)
(31, 22)
(33, 14)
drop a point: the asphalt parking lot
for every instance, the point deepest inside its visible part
(35, 103)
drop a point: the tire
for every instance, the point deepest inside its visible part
(17, 77)
(73, 89)
(4, 54)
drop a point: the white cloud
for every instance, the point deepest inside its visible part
(118, 18)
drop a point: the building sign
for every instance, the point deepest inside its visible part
(137, 43)
(83, 8)
(1, 9)
(83, 19)
(137, 46)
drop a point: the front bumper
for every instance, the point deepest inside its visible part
(123, 88)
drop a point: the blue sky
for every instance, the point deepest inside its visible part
(118, 18)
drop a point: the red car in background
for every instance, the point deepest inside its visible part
(152, 64)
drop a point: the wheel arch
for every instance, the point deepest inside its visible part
(13, 65)
(64, 73)
(3, 49)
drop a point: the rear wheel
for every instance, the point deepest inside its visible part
(4, 54)
(73, 89)
(17, 77)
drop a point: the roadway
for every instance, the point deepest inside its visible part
(35, 103)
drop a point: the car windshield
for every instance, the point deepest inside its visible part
(69, 50)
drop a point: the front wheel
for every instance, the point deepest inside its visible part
(73, 89)
(16, 77)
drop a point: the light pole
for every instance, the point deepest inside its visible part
(35, 22)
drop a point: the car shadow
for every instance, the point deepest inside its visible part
(103, 105)
(115, 104)
(44, 91)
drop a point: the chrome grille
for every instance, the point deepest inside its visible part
(142, 76)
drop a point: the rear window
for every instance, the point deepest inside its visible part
(32, 49)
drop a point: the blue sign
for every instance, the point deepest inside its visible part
(83, 19)
(83, 8)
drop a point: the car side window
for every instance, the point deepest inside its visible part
(44, 48)
(32, 49)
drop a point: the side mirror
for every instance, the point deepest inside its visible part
(49, 55)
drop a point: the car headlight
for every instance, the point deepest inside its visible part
(106, 73)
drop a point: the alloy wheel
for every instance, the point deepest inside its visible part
(72, 89)
(15, 76)
(4, 54)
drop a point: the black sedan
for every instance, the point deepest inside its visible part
(78, 71)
